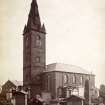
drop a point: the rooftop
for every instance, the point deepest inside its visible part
(65, 68)
(17, 83)
(14, 82)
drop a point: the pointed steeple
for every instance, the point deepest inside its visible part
(34, 18)
(34, 22)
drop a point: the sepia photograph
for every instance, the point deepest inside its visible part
(52, 52)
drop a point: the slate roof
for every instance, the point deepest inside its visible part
(65, 68)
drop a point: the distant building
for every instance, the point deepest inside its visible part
(9, 86)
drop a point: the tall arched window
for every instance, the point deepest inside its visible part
(65, 78)
(88, 78)
(74, 79)
(81, 79)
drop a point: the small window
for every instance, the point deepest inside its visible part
(38, 37)
(37, 59)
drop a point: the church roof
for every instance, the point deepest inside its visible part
(65, 68)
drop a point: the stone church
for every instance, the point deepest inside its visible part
(59, 80)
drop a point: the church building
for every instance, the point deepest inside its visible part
(59, 80)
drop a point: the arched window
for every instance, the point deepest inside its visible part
(65, 78)
(74, 79)
(38, 41)
(88, 78)
(81, 79)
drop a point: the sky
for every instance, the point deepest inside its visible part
(75, 35)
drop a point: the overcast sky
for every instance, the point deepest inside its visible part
(75, 35)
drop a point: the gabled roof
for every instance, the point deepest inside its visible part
(65, 68)
(17, 83)
(14, 82)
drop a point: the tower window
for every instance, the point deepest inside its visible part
(38, 37)
(38, 41)
(37, 59)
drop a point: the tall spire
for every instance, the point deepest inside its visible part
(34, 18)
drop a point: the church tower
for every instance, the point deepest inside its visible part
(34, 59)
